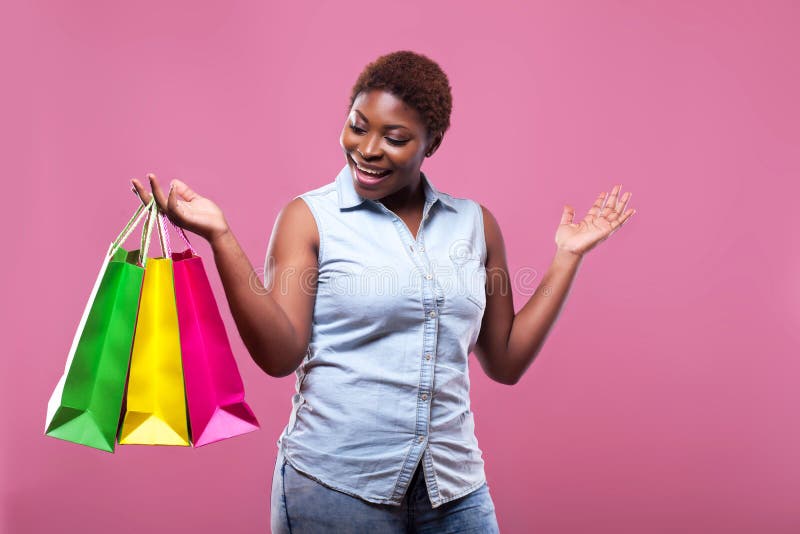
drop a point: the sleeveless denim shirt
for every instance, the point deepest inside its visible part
(385, 379)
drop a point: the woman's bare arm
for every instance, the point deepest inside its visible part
(509, 342)
(274, 316)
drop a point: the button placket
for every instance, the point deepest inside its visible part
(414, 246)
(415, 251)
(430, 330)
(430, 272)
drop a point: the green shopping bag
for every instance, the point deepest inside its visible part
(85, 405)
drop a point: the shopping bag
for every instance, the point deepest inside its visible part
(214, 388)
(85, 405)
(155, 402)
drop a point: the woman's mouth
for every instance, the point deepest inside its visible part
(369, 178)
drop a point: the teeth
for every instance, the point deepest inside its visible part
(373, 173)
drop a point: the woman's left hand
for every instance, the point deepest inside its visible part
(600, 222)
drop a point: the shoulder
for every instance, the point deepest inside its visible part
(310, 206)
(459, 204)
(297, 222)
(296, 211)
(489, 220)
(323, 197)
(491, 230)
(321, 191)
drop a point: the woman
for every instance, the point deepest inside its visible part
(381, 437)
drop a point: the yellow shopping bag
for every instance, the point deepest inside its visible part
(155, 411)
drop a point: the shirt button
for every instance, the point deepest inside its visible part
(427, 356)
(421, 249)
(421, 439)
(429, 276)
(424, 396)
(432, 314)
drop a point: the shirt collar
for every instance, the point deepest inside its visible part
(349, 197)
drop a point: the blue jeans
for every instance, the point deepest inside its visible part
(301, 505)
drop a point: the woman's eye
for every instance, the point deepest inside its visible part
(396, 142)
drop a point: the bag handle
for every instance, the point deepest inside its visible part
(162, 234)
(165, 243)
(129, 226)
(142, 210)
(147, 231)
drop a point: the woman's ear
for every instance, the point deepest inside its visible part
(437, 140)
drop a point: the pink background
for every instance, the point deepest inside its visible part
(666, 397)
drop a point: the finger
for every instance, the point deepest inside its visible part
(172, 203)
(626, 217)
(567, 215)
(594, 211)
(623, 203)
(140, 191)
(617, 223)
(620, 207)
(612, 200)
(183, 191)
(161, 198)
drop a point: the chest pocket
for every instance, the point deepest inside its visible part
(471, 275)
(461, 279)
(478, 295)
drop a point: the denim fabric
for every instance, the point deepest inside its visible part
(300, 505)
(384, 386)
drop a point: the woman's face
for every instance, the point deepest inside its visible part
(382, 133)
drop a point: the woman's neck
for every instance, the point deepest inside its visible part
(409, 199)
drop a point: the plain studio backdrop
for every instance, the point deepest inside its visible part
(665, 399)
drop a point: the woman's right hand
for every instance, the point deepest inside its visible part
(185, 208)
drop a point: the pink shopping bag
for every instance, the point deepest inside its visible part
(214, 388)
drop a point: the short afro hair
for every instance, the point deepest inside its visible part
(416, 80)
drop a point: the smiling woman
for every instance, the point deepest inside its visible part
(384, 165)
(398, 113)
(381, 431)
(380, 434)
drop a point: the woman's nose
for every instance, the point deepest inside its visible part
(370, 148)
